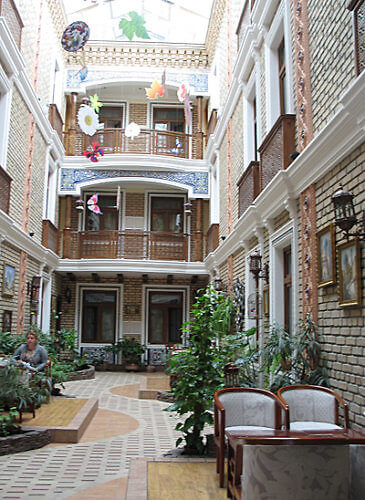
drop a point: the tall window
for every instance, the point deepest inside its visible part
(165, 317)
(169, 119)
(282, 77)
(288, 301)
(167, 214)
(255, 128)
(109, 218)
(111, 116)
(98, 316)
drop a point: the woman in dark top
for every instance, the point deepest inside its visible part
(32, 353)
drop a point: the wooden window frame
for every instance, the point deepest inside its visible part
(288, 284)
(100, 306)
(168, 211)
(165, 308)
(282, 75)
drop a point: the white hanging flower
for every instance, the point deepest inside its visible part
(88, 120)
(132, 130)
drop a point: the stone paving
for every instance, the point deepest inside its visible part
(63, 471)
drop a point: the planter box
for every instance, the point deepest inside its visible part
(28, 439)
(86, 374)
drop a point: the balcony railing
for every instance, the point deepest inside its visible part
(277, 147)
(55, 119)
(248, 186)
(149, 141)
(129, 244)
(5, 181)
(49, 235)
(9, 11)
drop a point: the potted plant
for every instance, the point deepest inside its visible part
(132, 351)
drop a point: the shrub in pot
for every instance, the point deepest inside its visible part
(132, 352)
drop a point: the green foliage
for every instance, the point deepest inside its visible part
(130, 348)
(8, 423)
(291, 360)
(9, 342)
(241, 349)
(96, 357)
(20, 389)
(199, 368)
(134, 26)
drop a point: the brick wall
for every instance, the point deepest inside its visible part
(343, 328)
(138, 113)
(17, 154)
(237, 154)
(223, 219)
(332, 57)
(134, 204)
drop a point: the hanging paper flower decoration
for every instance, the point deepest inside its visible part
(92, 204)
(95, 153)
(95, 103)
(83, 73)
(156, 90)
(75, 36)
(163, 82)
(182, 91)
(88, 120)
(187, 109)
(177, 147)
(132, 130)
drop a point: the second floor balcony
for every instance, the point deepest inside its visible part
(148, 142)
(130, 244)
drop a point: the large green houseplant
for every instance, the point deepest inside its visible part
(198, 368)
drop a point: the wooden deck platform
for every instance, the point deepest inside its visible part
(66, 418)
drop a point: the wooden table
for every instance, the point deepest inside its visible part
(236, 440)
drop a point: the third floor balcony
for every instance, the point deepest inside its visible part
(148, 142)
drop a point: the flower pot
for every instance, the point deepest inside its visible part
(131, 367)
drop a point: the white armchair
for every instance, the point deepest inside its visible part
(243, 408)
(312, 408)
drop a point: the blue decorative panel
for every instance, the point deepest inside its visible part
(198, 82)
(70, 177)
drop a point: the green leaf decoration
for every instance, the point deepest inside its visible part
(134, 26)
(94, 102)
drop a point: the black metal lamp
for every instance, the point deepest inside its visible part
(345, 217)
(218, 286)
(255, 263)
(68, 295)
(256, 269)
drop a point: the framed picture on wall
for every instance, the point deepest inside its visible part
(7, 316)
(349, 277)
(326, 256)
(8, 280)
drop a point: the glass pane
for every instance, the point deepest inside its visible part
(107, 324)
(95, 297)
(167, 203)
(288, 312)
(158, 222)
(93, 222)
(156, 326)
(90, 324)
(161, 126)
(175, 223)
(110, 220)
(174, 325)
(165, 298)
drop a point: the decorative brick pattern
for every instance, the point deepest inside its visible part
(303, 77)
(309, 252)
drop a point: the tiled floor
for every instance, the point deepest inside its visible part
(123, 428)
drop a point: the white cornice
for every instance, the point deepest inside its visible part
(16, 237)
(131, 266)
(341, 135)
(139, 162)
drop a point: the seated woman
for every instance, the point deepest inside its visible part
(32, 353)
